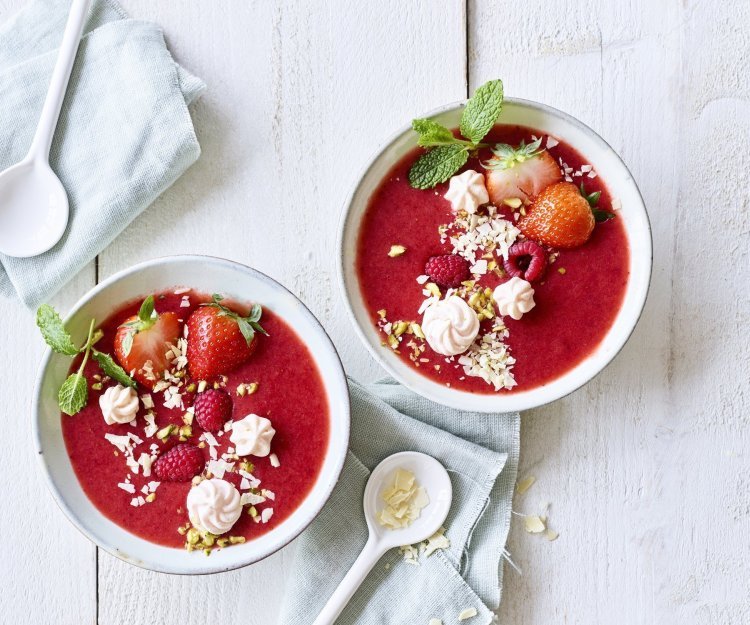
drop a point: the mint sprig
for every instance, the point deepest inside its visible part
(482, 111)
(73, 393)
(110, 368)
(437, 166)
(248, 325)
(477, 119)
(54, 332)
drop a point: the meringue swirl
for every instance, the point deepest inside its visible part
(119, 404)
(450, 326)
(214, 506)
(514, 298)
(467, 192)
(252, 436)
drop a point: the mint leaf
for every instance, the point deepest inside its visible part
(437, 166)
(482, 111)
(54, 332)
(112, 369)
(431, 133)
(73, 394)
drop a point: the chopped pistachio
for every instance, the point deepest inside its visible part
(251, 388)
(193, 536)
(561, 270)
(236, 540)
(166, 432)
(252, 511)
(222, 542)
(513, 202)
(190, 388)
(396, 250)
(241, 389)
(209, 539)
(433, 289)
(417, 330)
(97, 386)
(400, 327)
(186, 431)
(181, 531)
(187, 418)
(150, 497)
(381, 313)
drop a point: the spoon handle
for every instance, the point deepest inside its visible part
(58, 84)
(352, 580)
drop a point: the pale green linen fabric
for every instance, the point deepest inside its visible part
(124, 135)
(480, 452)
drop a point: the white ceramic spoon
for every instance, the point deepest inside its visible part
(434, 478)
(33, 203)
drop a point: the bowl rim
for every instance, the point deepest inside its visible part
(455, 400)
(154, 565)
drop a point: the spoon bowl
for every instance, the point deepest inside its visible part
(33, 209)
(429, 474)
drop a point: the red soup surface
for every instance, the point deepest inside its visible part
(290, 393)
(577, 300)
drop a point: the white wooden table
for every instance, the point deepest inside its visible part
(647, 468)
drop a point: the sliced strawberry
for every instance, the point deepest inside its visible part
(219, 339)
(521, 172)
(143, 340)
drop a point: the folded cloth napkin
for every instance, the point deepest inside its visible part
(480, 452)
(124, 134)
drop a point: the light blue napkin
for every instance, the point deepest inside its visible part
(480, 452)
(124, 135)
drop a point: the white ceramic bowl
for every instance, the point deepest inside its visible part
(209, 275)
(633, 213)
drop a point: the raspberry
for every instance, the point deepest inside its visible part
(213, 408)
(526, 260)
(180, 464)
(447, 270)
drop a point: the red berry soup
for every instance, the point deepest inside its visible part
(502, 278)
(205, 427)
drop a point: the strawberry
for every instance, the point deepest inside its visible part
(180, 464)
(520, 172)
(219, 339)
(447, 270)
(213, 408)
(143, 340)
(560, 217)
